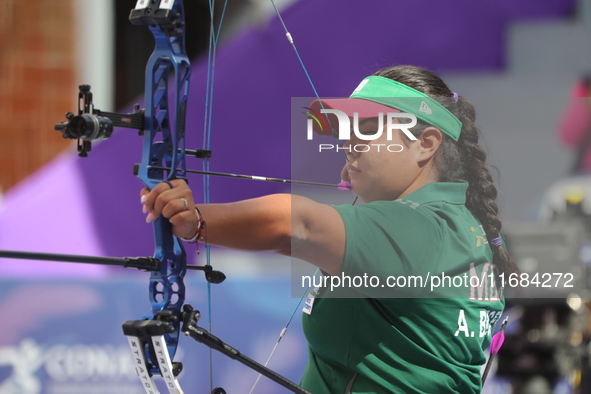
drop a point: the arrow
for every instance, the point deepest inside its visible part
(340, 186)
(495, 346)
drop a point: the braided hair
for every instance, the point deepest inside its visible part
(461, 160)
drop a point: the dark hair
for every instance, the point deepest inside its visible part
(461, 160)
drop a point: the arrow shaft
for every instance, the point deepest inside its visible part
(252, 177)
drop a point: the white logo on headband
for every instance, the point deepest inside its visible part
(361, 85)
(425, 108)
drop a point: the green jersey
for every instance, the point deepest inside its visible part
(421, 320)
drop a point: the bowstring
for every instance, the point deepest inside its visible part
(213, 41)
(291, 41)
(334, 134)
(283, 332)
(211, 55)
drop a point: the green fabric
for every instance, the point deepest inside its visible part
(406, 99)
(424, 343)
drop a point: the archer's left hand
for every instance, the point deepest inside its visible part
(174, 201)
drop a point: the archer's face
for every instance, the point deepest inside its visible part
(381, 169)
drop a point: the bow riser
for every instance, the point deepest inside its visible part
(168, 61)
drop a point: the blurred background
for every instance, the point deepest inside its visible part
(525, 66)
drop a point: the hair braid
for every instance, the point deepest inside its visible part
(461, 160)
(482, 193)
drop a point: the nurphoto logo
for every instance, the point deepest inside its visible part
(344, 129)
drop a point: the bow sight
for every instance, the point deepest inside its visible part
(93, 124)
(167, 23)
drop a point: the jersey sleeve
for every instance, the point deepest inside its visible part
(391, 239)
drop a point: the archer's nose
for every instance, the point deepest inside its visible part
(349, 149)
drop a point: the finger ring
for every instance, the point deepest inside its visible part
(169, 184)
(186, 204)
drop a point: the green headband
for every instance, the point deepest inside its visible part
(406, 99)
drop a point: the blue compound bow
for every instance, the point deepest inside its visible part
(154, 339)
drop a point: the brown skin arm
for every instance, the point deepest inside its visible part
(282, 223)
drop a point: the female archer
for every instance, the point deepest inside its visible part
(428, 231)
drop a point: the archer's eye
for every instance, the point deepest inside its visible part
(369, 132)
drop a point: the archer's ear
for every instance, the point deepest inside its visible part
(429, 141)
